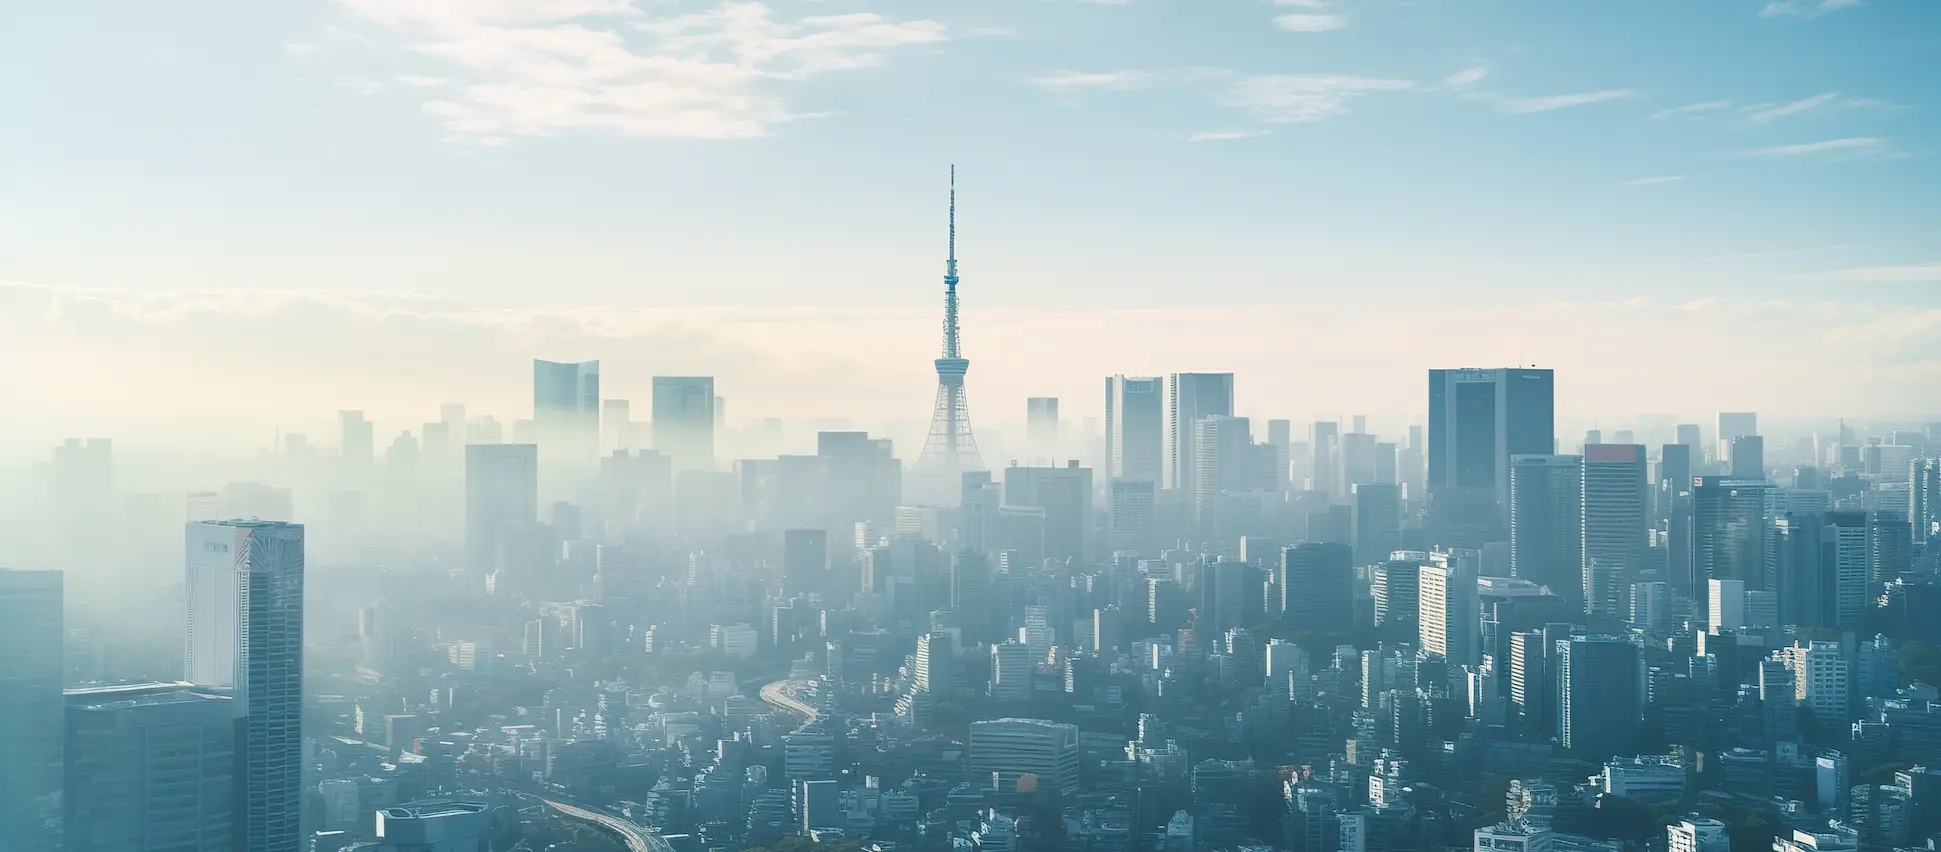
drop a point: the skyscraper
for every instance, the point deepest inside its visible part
(950, 451)
(1547, 523)
(1599, 703)
(1448, 608)
(31, 708)
(152, 766)
(1613, 526)
(1324, 444)
(501, 496)
(1924, 498)
(1224, 464)
(1317, 583)
(684, 420)
(1041, 426)
(1728, 530)
(1734, 424)
(244, 594)
(1748, 457)
(1135, 429)
(805, 562)
(1378, 521)
(566, 412)
(1065, 493)
(1193, 396)
(1478, 419)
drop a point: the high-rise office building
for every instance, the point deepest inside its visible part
(31, 707)
(1224, 465)
(1447, 608)
(1135, 429)
(1358, 461)
(152, 766)
(1734, 424)
(805, 562)
(1041, 426)
(1697, 834)
(1378, 521)
(1012, 665)
(1396, 586)
(1020, 755)
(1479, 419)
(1890, 547)
(1229, 592)
(1924, 498)
(935, 656)
(1192, 396)
(1615, 541)
(1728, 530)
(1324, 444)
(566, 412)
(1317, 584)
(1547, 523)
(684, 420)
(501, 498)
(1599, 700)
(1817, 563)
(244, 595)
(1065, 493)
(1748, 457)
(1688, 435)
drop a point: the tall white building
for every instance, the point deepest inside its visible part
(1449, 620)
(1003, 752)
(155, 766)
(32, 671)
(244, 594)
(1725, 604)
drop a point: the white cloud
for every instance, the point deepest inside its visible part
(1305, 97)
(1547, 103)
(1465, 78)
(1920, 273)
(1654, 181)
(302, 49)
(417, 81)
(1765, 114)
(1851, 145)
(1078, 81)
(1804, 8)
(1692, 109)
(1224, 135)
(543, 67)
(1310, 22)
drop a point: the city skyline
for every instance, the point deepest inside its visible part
(1514, 180)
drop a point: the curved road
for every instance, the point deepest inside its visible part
(637, 839)
(782, 695)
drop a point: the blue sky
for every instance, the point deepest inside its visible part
(1326, 197)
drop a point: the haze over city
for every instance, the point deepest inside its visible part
(970, 426)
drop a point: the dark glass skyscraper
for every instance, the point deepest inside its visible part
(1599, 701)
(1478, 419)
(1546, 523)
(566, 410)
(31, 710)
(244, 596)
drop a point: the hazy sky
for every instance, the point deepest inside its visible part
(220, 216)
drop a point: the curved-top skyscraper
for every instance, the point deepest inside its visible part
(950, 450)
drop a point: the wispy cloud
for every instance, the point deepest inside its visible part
(543, 67)
(1082, 81)
(1768, 113)
(1305, 97)
(1224, 135)
(1919, 273)
(1310, 22)
(302, 49)
(1654, 181)
(1693, 109)
(1849, 145)
(1546, 103)
(1465, 78)
(418, 81)
(1804, 8)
